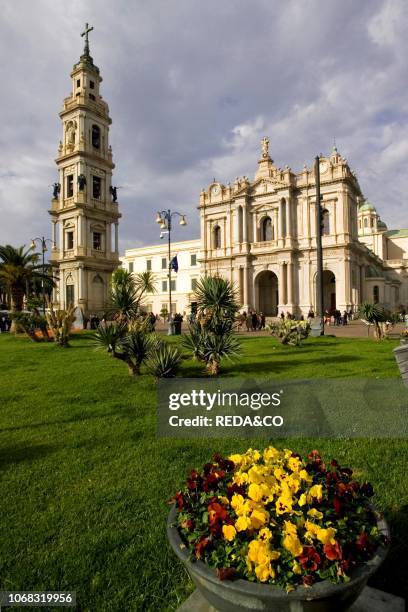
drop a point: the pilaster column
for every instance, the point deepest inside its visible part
(116, 237)
(54, 234)
(283, 284)
(255, 222)
(108, 238)
(246, 296)
(244, 223)
(79, 231)
(288, 219)
(275, 224)
(290, 283)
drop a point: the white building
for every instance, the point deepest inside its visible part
(155, 258)
(261, 235)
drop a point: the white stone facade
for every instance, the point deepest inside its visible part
(261, 235)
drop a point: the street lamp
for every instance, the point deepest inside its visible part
(163, 218)
(319, 250)
(43, 241)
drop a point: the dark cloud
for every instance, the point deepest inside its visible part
(192, 87)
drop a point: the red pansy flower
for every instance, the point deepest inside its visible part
(310, 558)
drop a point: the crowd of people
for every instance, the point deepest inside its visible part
(252, 320)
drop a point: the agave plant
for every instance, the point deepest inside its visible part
(60, 322)
(163, 361)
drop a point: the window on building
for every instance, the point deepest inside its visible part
(96, 136)
(164, 286)
(97, 241)
(217, 237)
(148, 265)
(376, 294)
(372, 222)
(70, 185)
(78, 82)
(193, 260)
(193, 284)
(266, 230)
(366, 222)
(69, 295)
(173, 285)
(96, 186)
(70, 240)
(131, 267)
(91, 96)
(92, 84)
(325, 222)
(164, 263)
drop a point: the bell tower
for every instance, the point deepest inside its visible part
(84, 208)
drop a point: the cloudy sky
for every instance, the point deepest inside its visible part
(192, 88)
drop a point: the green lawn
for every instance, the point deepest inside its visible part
(84, 481)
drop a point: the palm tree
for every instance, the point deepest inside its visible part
(127, 293)
(18, 268)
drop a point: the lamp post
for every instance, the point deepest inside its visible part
(319, 250)
(164, 219)
(43, 242)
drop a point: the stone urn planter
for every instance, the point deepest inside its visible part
(401, 357)
(240, 595)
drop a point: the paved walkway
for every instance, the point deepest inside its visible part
(354, 329)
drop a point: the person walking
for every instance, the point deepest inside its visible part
(262, 320)
(254, 321)
(248, 321)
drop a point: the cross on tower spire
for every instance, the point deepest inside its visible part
(85, 33)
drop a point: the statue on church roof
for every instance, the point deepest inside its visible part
(56, 188)
(265, 147)
(81, 182)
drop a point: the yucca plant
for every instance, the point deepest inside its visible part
(216, 299)
(108, 337)
(211, 336)
(163, 361)
(60, 322)
(217, 347)
(127, 292)
(135, 347)
(375, 315)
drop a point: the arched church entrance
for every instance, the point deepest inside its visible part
(267, 291)
(329, 291)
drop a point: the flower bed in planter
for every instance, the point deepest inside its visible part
(268, 530)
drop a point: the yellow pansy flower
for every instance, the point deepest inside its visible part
(259, 518)
(314, 513)
(326, 536)
(302, 500)
(292, 543)
(264, 571)
(265, 534)
(271, 454)
(294, 464)
(296, 568)
(229, 532)
(315, 492)
(242, 523)
(255, 492)
(312, 529)
(290, 528)
(304, 474)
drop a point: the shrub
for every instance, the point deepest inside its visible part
(289, 331)
(163, 361)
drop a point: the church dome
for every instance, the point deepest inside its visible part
(366, 207)
(381, 225)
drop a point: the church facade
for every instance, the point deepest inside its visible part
(261, 235)
(84, 208)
